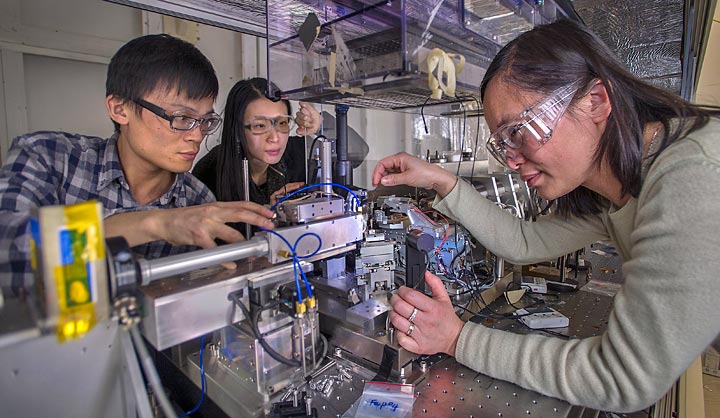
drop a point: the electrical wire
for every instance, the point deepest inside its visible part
(310, 157)
(422, 114)
(202, 382)
(296, 259)
(312, 146)
(549, 331)
(150, 371)
(258, 336)
(477, 137)
(462, 138)
(302, 189)
(255, 319)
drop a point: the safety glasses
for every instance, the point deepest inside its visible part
(262, 124)
(533, 128)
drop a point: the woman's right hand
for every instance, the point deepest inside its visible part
(284, 191)
(403, 168)
(435, 326)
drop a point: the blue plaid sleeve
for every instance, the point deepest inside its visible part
(26, 181)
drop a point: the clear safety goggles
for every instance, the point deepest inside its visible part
(533, 128)
(262, 124)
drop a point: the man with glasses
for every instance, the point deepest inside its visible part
(160, 92)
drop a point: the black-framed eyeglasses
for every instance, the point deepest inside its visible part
(182, 122)
(262, 124)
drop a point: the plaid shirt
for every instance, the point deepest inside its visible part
(56, 168)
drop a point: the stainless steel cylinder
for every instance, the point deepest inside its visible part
(182, 263)
(499, 267)
(326, 164)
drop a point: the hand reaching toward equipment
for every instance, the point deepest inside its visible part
(425, 325)
(403, 168)
(193, 225)
(289, 188)
(307, 119)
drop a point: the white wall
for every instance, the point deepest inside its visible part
(65, 95)
(51, 55)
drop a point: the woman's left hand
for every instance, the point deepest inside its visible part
(307, 119)
(434, 328)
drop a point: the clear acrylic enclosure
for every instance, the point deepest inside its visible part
(389, 54)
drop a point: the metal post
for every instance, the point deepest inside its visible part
(499, 267)
(246, 192)
(343, 168)
(326, 164)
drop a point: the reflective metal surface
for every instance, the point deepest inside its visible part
(336, 233)
(182, 263)
(180, 308)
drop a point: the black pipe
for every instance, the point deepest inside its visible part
(342, 169)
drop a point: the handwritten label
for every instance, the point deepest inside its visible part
(381, 405)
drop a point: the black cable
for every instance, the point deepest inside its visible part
(310, 157)
(422, 114)
(312, 145)
(261, 338)
(452, 262)
(477, 136)
(493, 316)
(549, 331)
(462, 139)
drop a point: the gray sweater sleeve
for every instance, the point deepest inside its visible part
(664, 316)
(513, 239)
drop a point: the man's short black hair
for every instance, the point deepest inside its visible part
(160, 61)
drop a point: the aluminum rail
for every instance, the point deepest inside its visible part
(182, 263)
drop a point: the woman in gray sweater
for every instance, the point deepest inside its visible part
(623, 161)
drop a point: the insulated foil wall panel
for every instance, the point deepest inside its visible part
(645, 34)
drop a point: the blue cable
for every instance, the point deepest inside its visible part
(296, 260)
(297, 281)
(292, 250)
(305, 279)
(302, 189)
(202, 382)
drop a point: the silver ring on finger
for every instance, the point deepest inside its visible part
(410, 330)
(412, 316)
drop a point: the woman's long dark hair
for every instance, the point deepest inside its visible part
(233, 145)
(558, 54)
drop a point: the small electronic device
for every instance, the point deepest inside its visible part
(534, 284)
(543, 318)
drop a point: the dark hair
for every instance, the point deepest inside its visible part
(558, 54)
(233, 145)
(159, 61)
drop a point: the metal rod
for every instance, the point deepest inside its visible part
(136, 379)
(313, 335)
(343, 167)
(520, 214)
(181, 263)
(246, 192)
(326, 165)
(499, 267)
(302, 345)
(151, 373)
